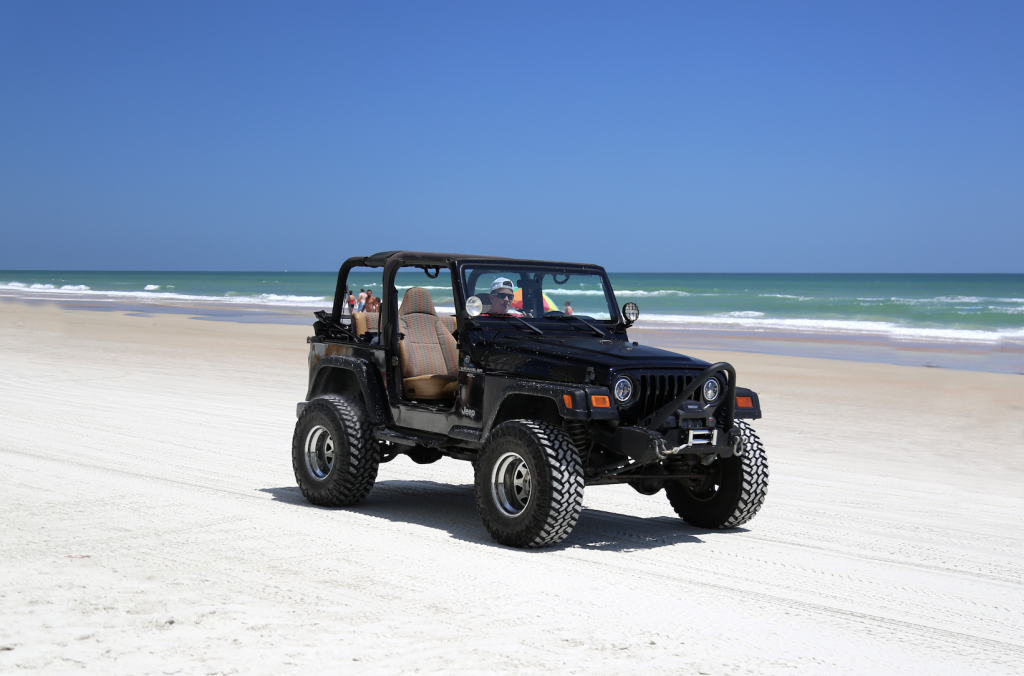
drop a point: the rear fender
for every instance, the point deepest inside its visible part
(350, 376)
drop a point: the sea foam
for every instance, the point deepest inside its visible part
(81, 290)
(730, 321)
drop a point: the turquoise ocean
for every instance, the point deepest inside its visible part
(949, 308)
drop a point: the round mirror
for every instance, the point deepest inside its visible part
(631, 312)
(474, 306)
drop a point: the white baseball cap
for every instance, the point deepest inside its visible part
(501, 283)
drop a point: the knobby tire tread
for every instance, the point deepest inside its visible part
(755, 477)
(566, 485)
(750, 492)
(362, 456)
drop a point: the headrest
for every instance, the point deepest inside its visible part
(417, 300)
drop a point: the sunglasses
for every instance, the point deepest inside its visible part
(505, 296)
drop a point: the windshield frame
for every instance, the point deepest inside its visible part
(463, 293)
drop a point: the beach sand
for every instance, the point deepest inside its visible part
(151, 524)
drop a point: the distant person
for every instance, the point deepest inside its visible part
(351, 302)
(361, 301)
(372, 303)
(568, 307)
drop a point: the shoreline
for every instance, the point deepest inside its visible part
(989, 357)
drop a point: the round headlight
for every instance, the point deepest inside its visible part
(631, 312)
(623, 389)
(711, 389)
(474, 306)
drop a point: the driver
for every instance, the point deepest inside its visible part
(502, 293)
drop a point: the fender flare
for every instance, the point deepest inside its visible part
(377, 407)
(752, 412)
(580, 395)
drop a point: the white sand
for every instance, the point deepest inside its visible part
(151, 524)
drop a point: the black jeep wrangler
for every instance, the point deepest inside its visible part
(543, 402)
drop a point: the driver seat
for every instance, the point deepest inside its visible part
(428, 354)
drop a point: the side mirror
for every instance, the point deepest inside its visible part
(631, 312)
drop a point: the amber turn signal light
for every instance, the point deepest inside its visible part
(600, 401)
(744, 402)
(567, 398)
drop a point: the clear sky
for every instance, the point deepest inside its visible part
(661, 136)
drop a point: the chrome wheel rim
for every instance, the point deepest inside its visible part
(319, 452)
(511, 484)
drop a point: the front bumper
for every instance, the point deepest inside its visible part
(643, 446)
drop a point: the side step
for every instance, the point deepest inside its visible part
(427, 439)
(465, 433)
(410, 438)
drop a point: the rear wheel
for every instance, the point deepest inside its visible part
(731, 490)
(529, 484)
(334, 454)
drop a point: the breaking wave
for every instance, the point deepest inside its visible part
(80, 291)
(749, 322)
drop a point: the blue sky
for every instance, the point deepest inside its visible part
(651, 136)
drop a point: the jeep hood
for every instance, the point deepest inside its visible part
(532, 354)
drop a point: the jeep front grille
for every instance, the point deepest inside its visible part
(656, 388)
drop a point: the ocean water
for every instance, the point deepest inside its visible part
(935, 307)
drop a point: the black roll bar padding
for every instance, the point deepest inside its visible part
(654, 421)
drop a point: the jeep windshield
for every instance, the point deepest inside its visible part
(537, 293)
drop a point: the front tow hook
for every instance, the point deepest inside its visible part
(736, 441)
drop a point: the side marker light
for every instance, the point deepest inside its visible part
(600, 401)
(567, 398)
(744, 402)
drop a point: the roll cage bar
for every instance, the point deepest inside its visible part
(391, 260)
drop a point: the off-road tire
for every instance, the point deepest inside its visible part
(556, 484)
(350, 476)
(740, 494)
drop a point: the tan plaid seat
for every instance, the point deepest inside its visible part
(428, 353)
(366, 322)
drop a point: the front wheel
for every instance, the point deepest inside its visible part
(529, 484)
(731, 490)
